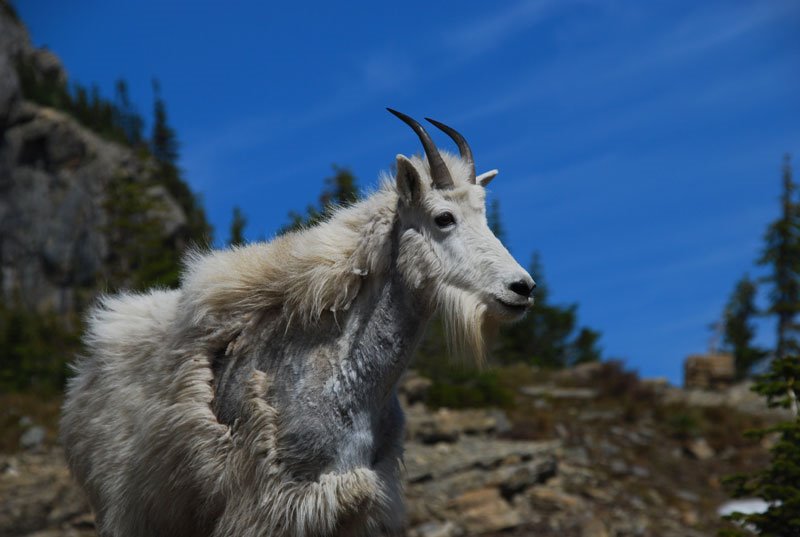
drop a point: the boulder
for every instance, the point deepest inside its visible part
(483, 511)
(594, 527)
(580, 374)
(435, 529)
(33, 438)
(445, 425)
(48, 65)
(555, 392)
(414, 387)
(699, 449)
(548, 499)
(709, 371)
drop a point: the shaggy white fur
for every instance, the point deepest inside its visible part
(259, 398)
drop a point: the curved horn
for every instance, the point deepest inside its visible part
(439, 172)
(463, 147)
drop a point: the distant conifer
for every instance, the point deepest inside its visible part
(584, 348)
(163, 141)
(164, 147)
(494, 220)
(779, 483)
(739, 329)
(125, 115)
(782, 255)
(340, 190)
(238, 223)
(546, 336)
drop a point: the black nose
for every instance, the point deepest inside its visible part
(523, 288)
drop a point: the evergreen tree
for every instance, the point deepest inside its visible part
(238, 224)
(779, 483)
(163, 142)
(494, 220)
(738, 329)
(140, 256)
(126, 116)
(544, 337)
(340, 190)
(35, 348)
(782, 255)
(164, 147)
(585, 348)
(117, 121)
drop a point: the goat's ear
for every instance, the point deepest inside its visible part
(486, 177)
(409, 183)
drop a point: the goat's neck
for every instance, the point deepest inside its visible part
(382, 333)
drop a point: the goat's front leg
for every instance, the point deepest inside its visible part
(262, 498)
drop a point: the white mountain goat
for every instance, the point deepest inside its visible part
(259, 399)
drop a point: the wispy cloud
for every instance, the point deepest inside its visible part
(213, 149)
(485, 33)
(699, 33)
(382, 72)
(688, 40)
(712, 28)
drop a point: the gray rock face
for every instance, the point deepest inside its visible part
(48, 64)
(54, 192)
(54, 217)
(9, 90)
(13, 37)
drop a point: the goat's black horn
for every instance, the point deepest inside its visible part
(463, 147)
(439, 172)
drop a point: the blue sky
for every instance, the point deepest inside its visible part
(639, 143)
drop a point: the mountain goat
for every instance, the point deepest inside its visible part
(259, 398)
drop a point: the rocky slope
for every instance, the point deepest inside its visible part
(55, 177)
(586, 453)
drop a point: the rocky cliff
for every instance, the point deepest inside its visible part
(60, 205)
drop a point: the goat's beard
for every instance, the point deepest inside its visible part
(467, 326)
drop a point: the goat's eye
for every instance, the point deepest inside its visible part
(445, 219)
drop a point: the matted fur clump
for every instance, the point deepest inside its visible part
(259, 399)
(305, 273)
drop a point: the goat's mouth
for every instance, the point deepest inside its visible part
(513, 309)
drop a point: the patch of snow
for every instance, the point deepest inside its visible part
(748, 506)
